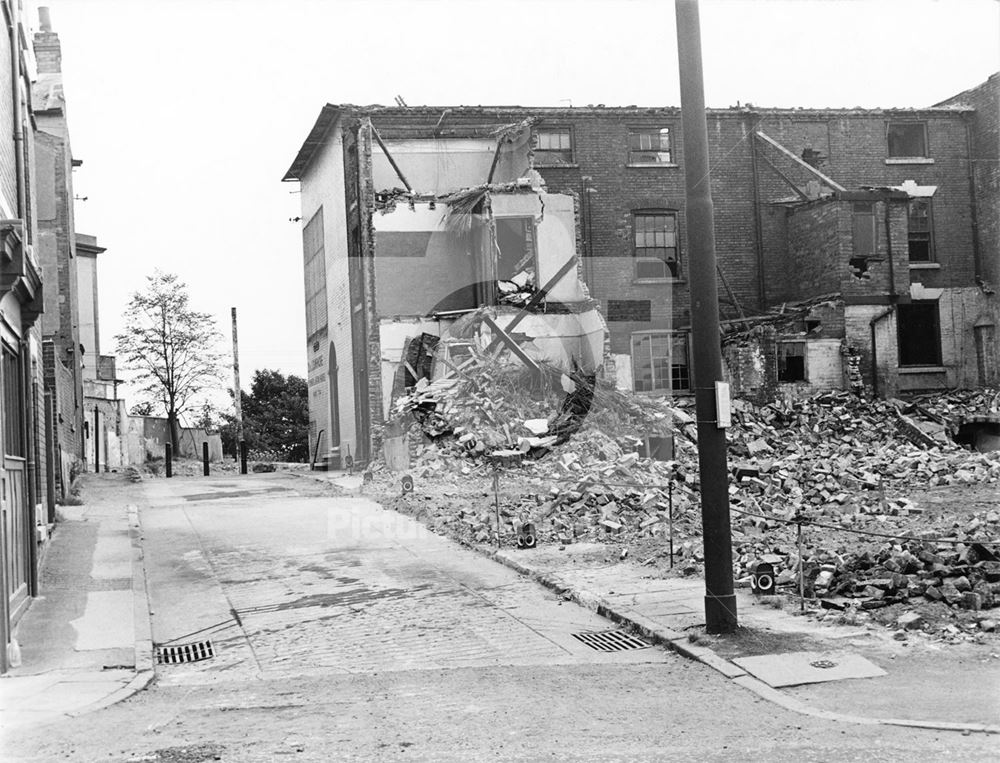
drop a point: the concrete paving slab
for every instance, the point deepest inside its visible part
(106, 622)
(796, 668)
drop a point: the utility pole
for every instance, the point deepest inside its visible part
(720, 601)
(238, 399)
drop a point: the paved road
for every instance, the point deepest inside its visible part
(345, 632)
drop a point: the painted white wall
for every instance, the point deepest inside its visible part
(556, 236)
(86, 277)
(824, 364)
(323, 186)
(623, 372)
(446, 164)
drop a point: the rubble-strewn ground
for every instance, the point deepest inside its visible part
(899, 524)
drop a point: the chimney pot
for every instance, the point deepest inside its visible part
(44, 19)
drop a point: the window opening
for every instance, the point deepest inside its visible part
(864, 229)
(791, 361)
(13, 420)
(907, 139)
(649, 146)
(660, 362)
(920, 227)
(315, 274)
(919, 334)
(515, 244)
(656, 250)
(554, 145)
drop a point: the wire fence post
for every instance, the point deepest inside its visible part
(802, 566)
(670, 518)
(496, 500)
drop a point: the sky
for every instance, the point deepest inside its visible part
(187, 113)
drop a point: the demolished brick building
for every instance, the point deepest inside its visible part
(850, 246)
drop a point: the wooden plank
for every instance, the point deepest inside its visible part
(504, 337)
(537, 297)
(399, 172)
(832, 183)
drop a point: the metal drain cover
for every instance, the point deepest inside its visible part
(611, 641)
(178, 653)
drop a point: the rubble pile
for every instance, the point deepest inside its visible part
(840, 465)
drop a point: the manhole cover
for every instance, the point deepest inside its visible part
(611, 641)
(178, 653)
(823, 664)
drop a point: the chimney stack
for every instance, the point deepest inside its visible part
(48, 51)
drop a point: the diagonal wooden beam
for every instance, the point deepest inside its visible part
(537, 297)
(399, 172)
(783, 176)
(798, 160)
(505, 338)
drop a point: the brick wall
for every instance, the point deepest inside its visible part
(985, 138)
(68, 423)
(761, 247)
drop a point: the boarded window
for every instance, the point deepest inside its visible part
(920, 229)
(629, 310)
(660, 362)
(656, 248)
(864, 229)
(554, 145)
(791, 361)
(649, 146)
(907, 139)
(315, 274)
(919, 334)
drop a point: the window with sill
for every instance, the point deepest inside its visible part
(649, 146)
(554, 145)
(918, 328)
(660, 362)
(907, 139)
(656, 250)
(921, 227)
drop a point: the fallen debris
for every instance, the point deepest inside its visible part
(569, 455)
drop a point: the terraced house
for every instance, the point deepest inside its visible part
(857, 248)
(43, 435)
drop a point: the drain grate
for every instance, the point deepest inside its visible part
(611, 641)
(178, 653)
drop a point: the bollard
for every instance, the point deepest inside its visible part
(170, 460)
(243, 457)
(204, 458)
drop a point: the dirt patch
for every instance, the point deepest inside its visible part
(750, 642)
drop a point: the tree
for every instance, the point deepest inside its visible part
(275, 416)
(169, 346)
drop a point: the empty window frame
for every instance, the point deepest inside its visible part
(649, 145)
(515, 245)
(554, 145)
(907, 139)
(791, 361)
(660, 362)
(921, 228)
(919, 334)
(656, 248)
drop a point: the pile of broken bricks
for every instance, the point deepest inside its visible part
(838, 464)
